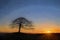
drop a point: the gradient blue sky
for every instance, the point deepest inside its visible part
(39, 11)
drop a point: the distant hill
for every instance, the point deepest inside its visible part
(25, 36)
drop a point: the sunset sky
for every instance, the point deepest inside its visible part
(45, 15)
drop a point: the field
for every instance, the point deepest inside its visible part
(24, 36)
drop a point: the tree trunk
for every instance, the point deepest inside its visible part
(19, 28)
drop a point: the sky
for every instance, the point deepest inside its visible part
(45, 14)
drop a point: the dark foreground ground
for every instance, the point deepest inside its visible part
(24, 36)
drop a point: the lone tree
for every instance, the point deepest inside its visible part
(21, 22)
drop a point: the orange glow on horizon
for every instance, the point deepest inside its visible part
(31, 31)
(39, 28)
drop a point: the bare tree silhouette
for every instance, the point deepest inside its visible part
(21, 22)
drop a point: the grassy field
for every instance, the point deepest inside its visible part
(24, 36)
